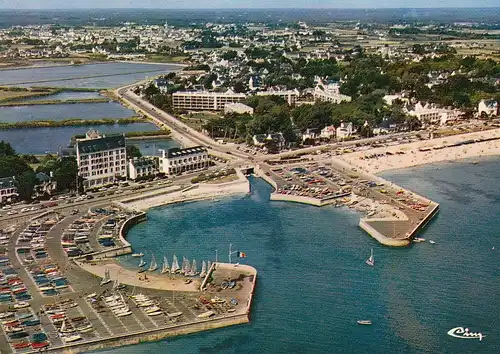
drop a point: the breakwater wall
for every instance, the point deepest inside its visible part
(150, 336)
(301, 199)
(387, 241)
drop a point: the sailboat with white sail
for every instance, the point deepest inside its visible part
(371, 261)
(175, 265)
(142, 263)
(186, 267)
(107, 277)
(165, 267)
(194, 268)
(116, 284)
(153, 266)
(203, 269)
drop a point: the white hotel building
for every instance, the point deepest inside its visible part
(329, 93)
(101, 159)
(204, 100)
(176, 160)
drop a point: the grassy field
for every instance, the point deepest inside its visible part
(197, 119)
(9, 95)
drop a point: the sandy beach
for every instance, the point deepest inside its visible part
(408, 155)
(198, 192)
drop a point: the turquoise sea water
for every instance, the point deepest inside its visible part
(313, 284)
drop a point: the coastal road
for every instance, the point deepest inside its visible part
(183, 132)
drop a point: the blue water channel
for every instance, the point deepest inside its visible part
(42, 140)
(103, 75)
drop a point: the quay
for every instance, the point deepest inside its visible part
(394, 215)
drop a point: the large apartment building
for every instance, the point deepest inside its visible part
(176, 160)
(101, 159)
(290, 96)
(204, 100)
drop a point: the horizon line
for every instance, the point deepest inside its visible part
(254, 8)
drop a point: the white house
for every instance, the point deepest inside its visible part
(176, 160)
(429, 114)
(142, 166)
(344, 131)
(329, 93)
(488, 107)
(328, 132)
(310, 134)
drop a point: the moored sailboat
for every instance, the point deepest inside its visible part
(194, 268)
(371, 261)
(107, 278)
(203, 269)
(153, 266)
(165, 268)
(175, 265)
(142, 263)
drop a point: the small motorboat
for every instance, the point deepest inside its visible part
(71, 338)
(364, 322)
(418, 239)
(123, 314)
(206, 314)
(175, 314)
(432, 242)
(21, 304)
(21, 345)
(137, 254)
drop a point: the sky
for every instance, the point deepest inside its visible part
(203, 4)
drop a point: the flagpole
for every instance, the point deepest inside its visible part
(231, 252)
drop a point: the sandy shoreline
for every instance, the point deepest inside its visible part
(198, 192)
(410, 155)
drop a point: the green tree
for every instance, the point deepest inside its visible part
(66, 170)
(133, 151)
(25, 185)
(6, 149)
(13, 166)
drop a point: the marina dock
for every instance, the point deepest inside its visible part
(79, 316)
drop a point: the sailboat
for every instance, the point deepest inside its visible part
(209, 265)
(184, 269)
(371, 261)
(194, 268)
(116, 284)
(106, 278)
(153, 266)
(203, 269)
(142, 263)
(175, 265)
(165, 268)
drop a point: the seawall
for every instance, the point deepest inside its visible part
(387, 241)
(152, 335)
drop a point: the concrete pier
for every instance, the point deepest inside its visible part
(396, 228)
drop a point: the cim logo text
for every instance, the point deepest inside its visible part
(464, 333)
